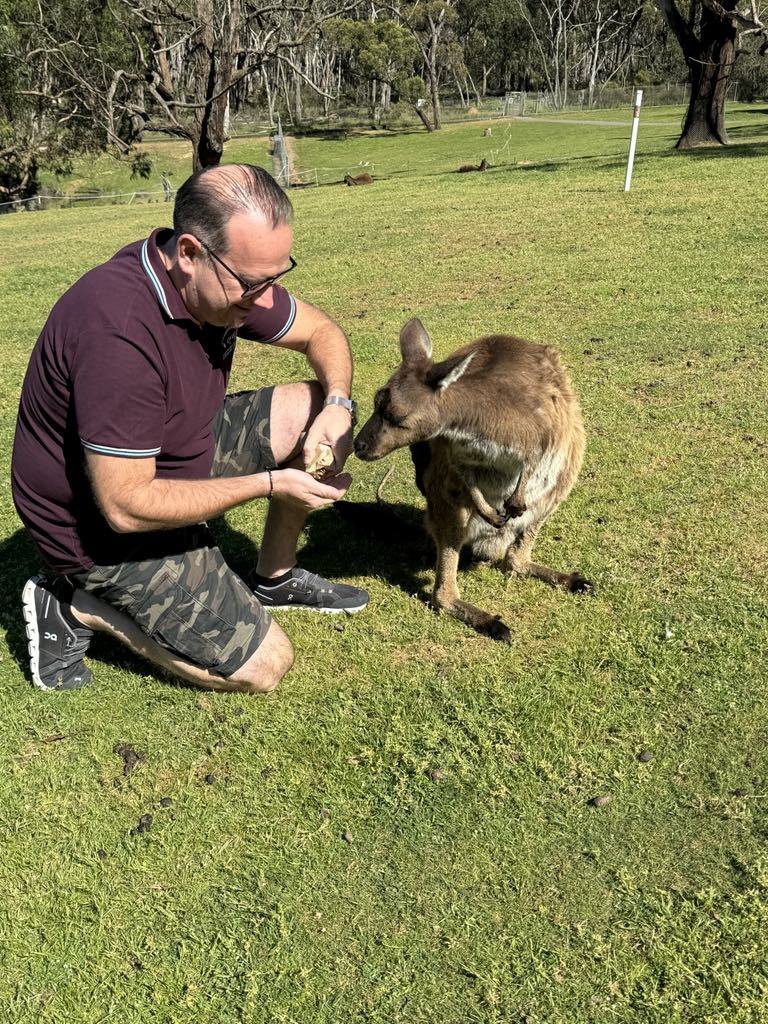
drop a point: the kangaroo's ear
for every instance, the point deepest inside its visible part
(441, 375)
(415, 344)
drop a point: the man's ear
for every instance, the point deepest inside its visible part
(189, 250)
(442, 375)
(415, 344)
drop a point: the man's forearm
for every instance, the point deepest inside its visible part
(329, 356)
(166, 504)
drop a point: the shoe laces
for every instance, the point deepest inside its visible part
(76, 643)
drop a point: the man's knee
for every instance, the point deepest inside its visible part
(264, 669)
(294, 407)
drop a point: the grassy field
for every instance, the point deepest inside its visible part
(478, 884)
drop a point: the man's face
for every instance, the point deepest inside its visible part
(255, 251)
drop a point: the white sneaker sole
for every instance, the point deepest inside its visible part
(310, 608)
(33, 634)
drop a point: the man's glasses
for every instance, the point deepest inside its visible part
(250, 290)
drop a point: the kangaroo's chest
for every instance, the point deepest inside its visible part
(495, 463)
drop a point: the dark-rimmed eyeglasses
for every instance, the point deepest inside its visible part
(250, 290)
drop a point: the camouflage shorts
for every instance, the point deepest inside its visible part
(179, 590)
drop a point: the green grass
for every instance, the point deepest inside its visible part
(493, 892)
(534, 141)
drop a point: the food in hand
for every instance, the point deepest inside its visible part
(322, 464)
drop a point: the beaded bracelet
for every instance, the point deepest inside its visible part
(271, 488)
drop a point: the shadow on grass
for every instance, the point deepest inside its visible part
(18, 561)
(358, 538)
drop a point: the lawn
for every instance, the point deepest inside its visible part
(476, 882)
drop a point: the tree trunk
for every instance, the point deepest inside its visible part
(423, 118)
(710, 66)
(297, 99)
(213, 64)
(435, 94)
(270, 101)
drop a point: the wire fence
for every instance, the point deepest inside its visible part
(492, 108)
(94, 197)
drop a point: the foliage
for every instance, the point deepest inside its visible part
(141, 164)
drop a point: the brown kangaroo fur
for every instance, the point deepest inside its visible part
(362, 179)
(497, 440)
(465, 168)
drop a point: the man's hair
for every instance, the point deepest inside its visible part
(207, 201)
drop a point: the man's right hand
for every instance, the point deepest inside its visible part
(299, 489)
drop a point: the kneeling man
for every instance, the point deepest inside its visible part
(127, 442)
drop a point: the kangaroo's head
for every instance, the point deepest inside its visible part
(409, 408)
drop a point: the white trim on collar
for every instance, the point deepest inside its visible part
(154, 278)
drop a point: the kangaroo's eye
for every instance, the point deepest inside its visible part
(392, 420)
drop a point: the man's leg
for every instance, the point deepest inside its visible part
(187, 612)
(294, 407)
(260, 674)
(261, 430)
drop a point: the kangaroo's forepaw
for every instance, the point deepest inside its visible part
(495, 519)
(513, 510)
(577, 584)
(497, 630)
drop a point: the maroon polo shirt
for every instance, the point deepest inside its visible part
(121, 368)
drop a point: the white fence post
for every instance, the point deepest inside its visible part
(633, 140)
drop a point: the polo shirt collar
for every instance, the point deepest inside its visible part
(167, 294)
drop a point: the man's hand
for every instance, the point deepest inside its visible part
(301, 490)
(332, 426)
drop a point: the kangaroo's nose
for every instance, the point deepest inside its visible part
(360, 447)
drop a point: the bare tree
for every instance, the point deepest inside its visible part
(551, 28)
(184, 64)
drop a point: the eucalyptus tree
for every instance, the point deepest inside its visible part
(46, 116)
(382, 52)
(711, 34)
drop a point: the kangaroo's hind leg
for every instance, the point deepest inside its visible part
(448, 526)
(518, 562)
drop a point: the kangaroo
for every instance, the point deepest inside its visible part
(465, 168)
(362, 179)
(497, 441)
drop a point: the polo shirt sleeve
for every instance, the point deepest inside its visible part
(118, 391)
(270, 322)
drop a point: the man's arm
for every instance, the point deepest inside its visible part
(327, 350)
(324, 344)
(134, 500)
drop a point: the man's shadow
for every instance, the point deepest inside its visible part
(351, 538)
(347, 539)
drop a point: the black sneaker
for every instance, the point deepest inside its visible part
(56, 646)
(307, 592)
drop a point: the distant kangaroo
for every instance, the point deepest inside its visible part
(362, 179)
(496, 437)
(465, 168)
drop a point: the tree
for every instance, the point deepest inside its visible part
(709, 38)
(431, 24)
(182, 65)
(384, 52)
(43, 120)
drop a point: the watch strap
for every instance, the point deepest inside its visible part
(345, 403)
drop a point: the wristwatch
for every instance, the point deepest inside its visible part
(346, 403)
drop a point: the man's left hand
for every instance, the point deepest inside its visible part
(332, 426)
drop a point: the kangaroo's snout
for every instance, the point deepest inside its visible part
(361, 447)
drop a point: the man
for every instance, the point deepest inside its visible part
(126, 443)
